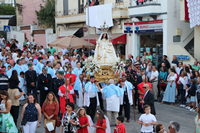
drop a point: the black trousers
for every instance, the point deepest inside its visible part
(91, 110)
(14, 112)
(126, 106)
(100, 100)
(34, 91)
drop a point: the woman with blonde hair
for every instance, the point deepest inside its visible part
(50, 110)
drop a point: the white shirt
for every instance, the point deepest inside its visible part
(184, 81)
(51, 58)
(149, 73)
(28, 43)
(18, 45)
(42, 50)
(153, 75)
(146, 119)
(91, 94)
(178, 70)
(73, 63)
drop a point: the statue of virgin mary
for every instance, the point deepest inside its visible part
(105, 52)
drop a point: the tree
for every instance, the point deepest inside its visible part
(7, 9)
(46, 15)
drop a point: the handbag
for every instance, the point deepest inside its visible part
(49, 121)
(24, 121)
(58, 122)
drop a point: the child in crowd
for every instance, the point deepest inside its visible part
(120, 128)
(101, 123)
(147, 120)
(9, 67)
(193, 93)
(22, 86)
(187, 96)
(83, 121)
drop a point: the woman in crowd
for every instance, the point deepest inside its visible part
(188, 71)
(170, 91)
(197, 120)
(101, 122)
(70, 121)
(183, 80)
(83, 121)
(7, 124)
(31, 113)
(193, 76)
(163, 74)
(56, 59)
(50, 109)
(13, 92)
(160, 128)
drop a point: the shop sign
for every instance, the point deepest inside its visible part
(182, 57)
(149, 26)
(128, 27)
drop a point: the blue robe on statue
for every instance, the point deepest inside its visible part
(77, 71)
(18, 68)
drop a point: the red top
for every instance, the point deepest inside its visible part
(177, 81)
(103, 125)
(50, 109)
(92, 3)
(140, 87)
(120, 128)
(72, 79)
(83, 121)
(62, 99)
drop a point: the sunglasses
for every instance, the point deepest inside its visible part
(144, 87)
(161, 130)
(169, 127)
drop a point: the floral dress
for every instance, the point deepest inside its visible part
(69, 128)
(7, 124)
(197, 122)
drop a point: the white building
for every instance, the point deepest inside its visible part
(158, 29)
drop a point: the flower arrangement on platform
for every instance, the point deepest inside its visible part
(91, 65)
(118, 67)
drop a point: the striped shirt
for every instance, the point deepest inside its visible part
(3, 82)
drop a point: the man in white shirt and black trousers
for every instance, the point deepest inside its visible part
(91, 99)
(126, 100)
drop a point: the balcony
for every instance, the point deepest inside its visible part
(151, 8)
(120, 11)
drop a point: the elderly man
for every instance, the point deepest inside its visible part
(18, 66)
(195, 66)
(175, 61)
(154, 81)
(127, 99)
(78, 88)
(141, 91)
(174, 127)
(73, 62)
(112, 94)
(148, 99)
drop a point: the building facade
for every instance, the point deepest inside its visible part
(158, 29)
(71, 20)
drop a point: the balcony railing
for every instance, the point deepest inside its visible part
(144, 2)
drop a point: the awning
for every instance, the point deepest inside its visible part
(117, 38)
(68, 32)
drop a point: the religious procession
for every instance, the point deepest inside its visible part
(117, 66)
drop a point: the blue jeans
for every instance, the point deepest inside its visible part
(183, 100)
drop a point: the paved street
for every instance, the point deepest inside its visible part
(164, 114)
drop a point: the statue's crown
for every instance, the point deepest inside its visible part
(104, 27)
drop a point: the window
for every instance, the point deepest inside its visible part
(119, 1)
(65, 7)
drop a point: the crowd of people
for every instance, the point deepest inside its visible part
(54, 83)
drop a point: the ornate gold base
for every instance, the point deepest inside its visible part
(106, 74)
